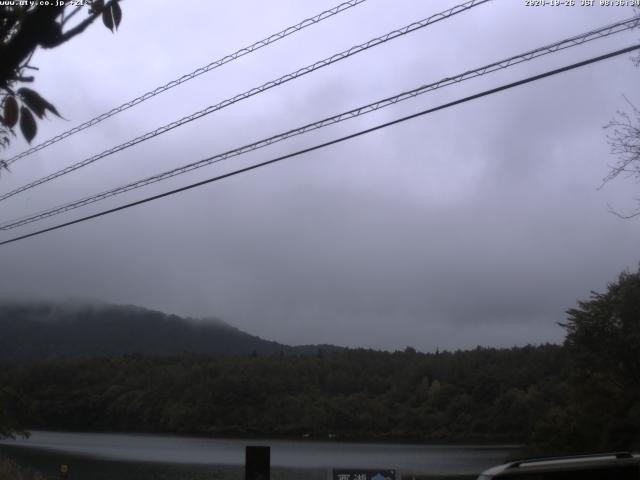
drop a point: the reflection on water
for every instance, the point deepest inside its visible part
(110, 456)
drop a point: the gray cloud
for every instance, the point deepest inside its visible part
(480, 224)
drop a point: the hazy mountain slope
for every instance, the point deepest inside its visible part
(44, 331)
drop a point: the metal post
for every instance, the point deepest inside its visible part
(257, 465)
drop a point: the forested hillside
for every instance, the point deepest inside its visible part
(483, 394)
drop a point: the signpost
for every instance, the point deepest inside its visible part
(257, 463)
(361, 474)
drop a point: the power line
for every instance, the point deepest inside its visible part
(189, 76)
(254, 91)
(469, 74)
(331, 142)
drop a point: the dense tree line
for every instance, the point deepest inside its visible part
(483, 394)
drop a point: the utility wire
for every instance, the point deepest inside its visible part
(386, 102)
(331, 142)
(189, 76)
(254, 91)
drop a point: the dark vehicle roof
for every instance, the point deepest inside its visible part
(601, 466)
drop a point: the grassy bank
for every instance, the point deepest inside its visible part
(9, 470)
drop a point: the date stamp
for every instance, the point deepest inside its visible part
(43, 3)
(582, 3)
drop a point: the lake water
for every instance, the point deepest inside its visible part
(106, 456)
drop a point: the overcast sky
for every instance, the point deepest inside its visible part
(478, 224)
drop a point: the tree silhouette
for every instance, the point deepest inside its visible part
(24, 28)
(603, 334)
(624, 141)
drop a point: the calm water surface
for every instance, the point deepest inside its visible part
(130, 456)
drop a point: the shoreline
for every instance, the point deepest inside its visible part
(469, 442)
(131, 457)
(102, 469)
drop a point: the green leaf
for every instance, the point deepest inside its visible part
(117, 13)
(53, 110)
(10, 112)
(27, 124)
(36, 103)
(107, 19)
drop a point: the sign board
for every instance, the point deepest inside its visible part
(361, 474)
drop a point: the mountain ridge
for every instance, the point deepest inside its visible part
(42, 331)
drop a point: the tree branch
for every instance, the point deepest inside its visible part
(68, 17)
(633, 214)
(84, 24)
(37, 28)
